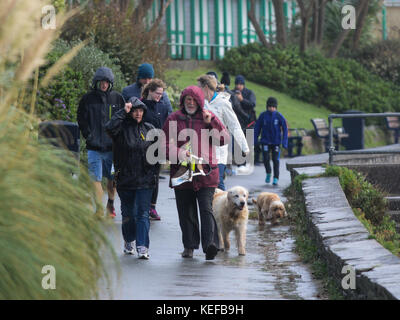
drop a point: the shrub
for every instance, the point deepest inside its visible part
(338, 84)
(381, 58)
(60, 99)
(88, 59)
(116, 32)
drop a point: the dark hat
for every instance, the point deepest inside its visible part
(226, 80)
(137, 103)
(272, 102)
(145, 71)
(239, 79)
(212, 73)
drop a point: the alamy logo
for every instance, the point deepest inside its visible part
(49, 280)
(349, 280)
(349, 20)
(49, 20)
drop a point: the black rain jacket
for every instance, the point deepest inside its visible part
(95, 109)
(132, 171)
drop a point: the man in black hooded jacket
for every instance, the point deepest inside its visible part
(95, 109)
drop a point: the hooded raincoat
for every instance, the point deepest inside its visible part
(95, 109)
(132, 170)
(175, 126)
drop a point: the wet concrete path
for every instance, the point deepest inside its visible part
(270, 269)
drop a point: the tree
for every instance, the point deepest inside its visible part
(360, 25)
(318, 19)
(321, 20)
(342, 36)
(252, 17)
(163, 7)
(140, 10)
(306, 7)
(281, 34)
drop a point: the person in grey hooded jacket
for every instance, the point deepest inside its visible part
(94, 110)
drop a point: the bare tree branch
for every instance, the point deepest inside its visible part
(281, 34)
(321, 20)
(161, 13)
(360, 25)
(342, 36)
(305, 15)
(141, 9)
(252, 17)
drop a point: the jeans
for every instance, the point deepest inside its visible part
(99, 164)
(135, 206)
(221, 168)
(186, 202)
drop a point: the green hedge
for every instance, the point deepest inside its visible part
(337, 84)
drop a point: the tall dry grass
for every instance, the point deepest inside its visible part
(45, 215)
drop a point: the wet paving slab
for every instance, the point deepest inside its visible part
(269, 270)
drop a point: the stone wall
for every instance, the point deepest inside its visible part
(342, 240)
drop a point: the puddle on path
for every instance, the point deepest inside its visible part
(269, 270)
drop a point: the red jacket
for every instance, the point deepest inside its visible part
(183, 121)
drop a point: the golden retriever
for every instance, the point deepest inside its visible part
(269, 207)
(231, 213)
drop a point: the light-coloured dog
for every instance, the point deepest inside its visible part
(231, 213)
(269, 207)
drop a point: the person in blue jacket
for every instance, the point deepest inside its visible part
(273, 128)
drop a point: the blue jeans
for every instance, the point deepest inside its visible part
(221, 184)
(100, 164)
(135, 206)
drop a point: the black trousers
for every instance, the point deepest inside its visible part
(155, 190)
(186, 202)
(276, 152)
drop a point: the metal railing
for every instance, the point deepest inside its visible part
(332, 150)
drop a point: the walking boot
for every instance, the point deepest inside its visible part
(211, 252)
(187, 253)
